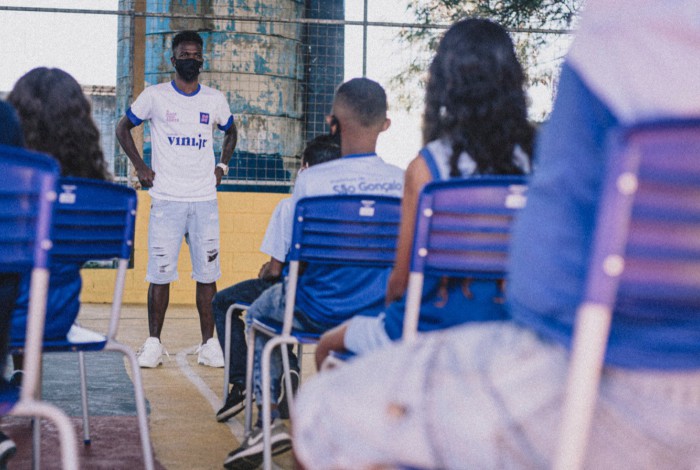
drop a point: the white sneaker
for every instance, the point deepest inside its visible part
(7, 449)
(210, 354)
(151, 353)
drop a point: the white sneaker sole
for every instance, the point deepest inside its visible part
(7, 450)
(206, 363)
(252, 457)
(143, 365)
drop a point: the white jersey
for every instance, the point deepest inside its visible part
(278, 240)
(182, 150)
(641, 56)
(351, 174)
(437, 158)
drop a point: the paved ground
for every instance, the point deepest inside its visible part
(183, 398)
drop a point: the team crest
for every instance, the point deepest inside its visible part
(204, 118)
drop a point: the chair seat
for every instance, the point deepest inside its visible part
(274, 328)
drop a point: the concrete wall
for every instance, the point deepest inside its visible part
(243, 219)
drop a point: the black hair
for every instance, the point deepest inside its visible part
(475, 97)
(56, 119)
(187, 36)
(366, 98)
(321, 149)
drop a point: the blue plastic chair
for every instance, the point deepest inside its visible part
(239, 305)
(339, 230)
(645, 258)
(27, 195)
(462, 230)
(95, 220)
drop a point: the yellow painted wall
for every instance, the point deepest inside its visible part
(243, 219)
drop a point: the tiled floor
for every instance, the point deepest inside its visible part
(183, 398)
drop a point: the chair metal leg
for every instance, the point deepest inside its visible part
(36, 422)
(84, 398)
(587, 353)
(36, 443)
(286, 371)
(66, 433)
(227, 346)
(300, 356)
(250, 362)
(227, 352)
(274, 342)
(140, 401)
(266, 404)
(413, 298)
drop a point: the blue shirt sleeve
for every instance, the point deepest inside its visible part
(133, 118)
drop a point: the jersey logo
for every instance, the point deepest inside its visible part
(364, 187)
(178, 141)
(204, 118)
(367, 209)
(67, 195)
(171, 117)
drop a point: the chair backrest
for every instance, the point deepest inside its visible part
(462, 230)
(341, 230)
(356, 230)
(645, 261)
(463, 226)
(27, 194)
(650, 255)
(93, 220)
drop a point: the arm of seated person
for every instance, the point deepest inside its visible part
(271, 271)
(417, 176)
(331, 340)
(358, 335)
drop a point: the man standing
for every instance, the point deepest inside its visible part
(182, 181)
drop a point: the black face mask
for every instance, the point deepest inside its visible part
(188, 69)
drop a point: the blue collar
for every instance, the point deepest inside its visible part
(199, 87)
(360, 155)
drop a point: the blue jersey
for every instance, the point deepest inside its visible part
(448, 303)
(552, 238)
(330, 294)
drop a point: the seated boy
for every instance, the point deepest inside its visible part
(327, 295)
(321, 149)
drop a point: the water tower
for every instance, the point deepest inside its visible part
(278, 77)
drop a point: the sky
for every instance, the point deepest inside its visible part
(85, 45)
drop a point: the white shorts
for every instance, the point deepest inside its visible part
(487, 396)
(169, 222)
